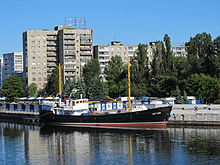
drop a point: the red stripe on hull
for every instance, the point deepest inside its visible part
(117, 125)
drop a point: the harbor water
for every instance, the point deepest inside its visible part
(34, 145)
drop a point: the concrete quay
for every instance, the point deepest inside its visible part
(20, 117)
(195, 114)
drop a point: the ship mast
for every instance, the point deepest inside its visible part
(60, 84)
(129, 87)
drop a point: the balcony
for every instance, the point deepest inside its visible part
(51, 48)
(69, 47)
(85, 48)
(69, 63)
(85, 42)
(51, 59)
(72, 53)
(86, 53)
(51, 54)
(69, 43)
(69, 37)
(70, 57)
(51, 43)
(51, 64)
(51, 38)
(86, 37)
(70, 69)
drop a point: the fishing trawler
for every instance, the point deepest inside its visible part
(76, 113)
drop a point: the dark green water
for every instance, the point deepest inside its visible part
(24, 145)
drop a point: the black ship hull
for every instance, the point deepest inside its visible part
(151, 118)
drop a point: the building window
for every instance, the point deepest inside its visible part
(34, 79)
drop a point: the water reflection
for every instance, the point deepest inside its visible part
(22, 144)
(89, 146)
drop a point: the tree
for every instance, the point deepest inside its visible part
(96, 89)
(13, 88)
(181, 67)
(51, 88)
(215, 67)
(69, 85)
(32, 90)
(157, 67)
(90, 70)
(185, 99)
(80, 88)
(115, 75)
(163, 86)
(179, 98)
(140, 71)
(204, 87)
(167, 56)
(199, 50)
(92, 80)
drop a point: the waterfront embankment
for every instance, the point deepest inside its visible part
(197, 114)
(20, 113)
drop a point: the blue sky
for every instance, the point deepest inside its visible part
(129, 21)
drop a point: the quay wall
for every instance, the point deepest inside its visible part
(197, 114)
(20, 113)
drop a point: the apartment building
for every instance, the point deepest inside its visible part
(12, 64)
(44, 49)
(104, 53)
(40, 55)
(179, 50)
(75, 49)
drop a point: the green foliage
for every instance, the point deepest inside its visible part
(199, 50)
(140, 71)
(32, 90)
(181, 67)
(157, 62)
(167, 56)
(80, 88)
(179, 98)
(13, 88)
(163, 86)
(91, 76)
(41, 92)
(91, 70)
(185, 99)
(51, 88)
(204, 87)
(215, 58)
(96, 89)
(69, 85)
(115, 74)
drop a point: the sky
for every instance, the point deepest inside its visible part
(129, 21)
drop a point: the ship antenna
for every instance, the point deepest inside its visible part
(129, 86)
